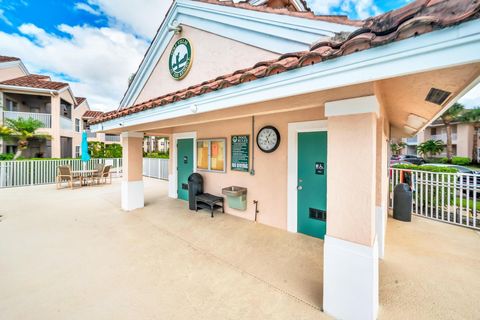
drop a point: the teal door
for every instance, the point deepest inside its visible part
(184, 166)
(312, 184)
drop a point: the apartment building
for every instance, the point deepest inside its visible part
(156, 144)
(462, 138)
(65, 116)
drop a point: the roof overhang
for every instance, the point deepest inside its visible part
(445, 48)
(272, 32)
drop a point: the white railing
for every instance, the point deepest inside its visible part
(412, 139)
(65, 123)
(112, 138)
(443, 137)
(36, 172)
(91, 134)
(448, 197)
(45, 118)
(155, 168)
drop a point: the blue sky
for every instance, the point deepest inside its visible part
(97, 44)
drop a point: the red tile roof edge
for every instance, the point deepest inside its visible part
(92, 114)
(340, 19)
(80, 100)
(35, 81)
(419, 17)
(8, 59)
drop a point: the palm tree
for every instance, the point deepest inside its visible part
(430, 148)
(448, 117)
(397, 147)
(22, 131)
(473, 115)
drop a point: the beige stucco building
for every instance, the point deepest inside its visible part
(462, 138)
(65, 116)
(299, 110)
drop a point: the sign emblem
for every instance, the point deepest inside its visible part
(180, 60)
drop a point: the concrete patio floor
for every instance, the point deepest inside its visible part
(75, 255)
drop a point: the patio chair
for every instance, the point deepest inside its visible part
(64, 174)
(98, 173)
(104, 175)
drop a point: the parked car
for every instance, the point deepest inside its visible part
(467, 180)
(410, 158)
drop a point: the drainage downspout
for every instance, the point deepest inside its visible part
(252, 171)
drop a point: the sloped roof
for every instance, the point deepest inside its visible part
(92, 114)
(340, 19)
(419, 17)
(8, 59)
(80, 100)
(35, 81)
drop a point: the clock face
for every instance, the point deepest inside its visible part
(268, 139)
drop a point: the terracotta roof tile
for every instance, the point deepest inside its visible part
(35, 81)
(8, 59)
(80, 100)
(419, 17)
(92, 114)
(341, 19)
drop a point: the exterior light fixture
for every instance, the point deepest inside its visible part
(194, 108)
(415, 121)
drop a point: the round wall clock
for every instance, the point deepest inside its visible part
(181, 58)
(268, 139)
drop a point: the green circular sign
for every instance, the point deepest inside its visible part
(180, 60)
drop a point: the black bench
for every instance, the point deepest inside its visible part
(209, 202)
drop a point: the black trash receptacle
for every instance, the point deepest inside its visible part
(195, 187)
(402, 202)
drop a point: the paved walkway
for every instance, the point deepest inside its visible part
(75, 255)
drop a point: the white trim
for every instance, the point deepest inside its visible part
(381, 227)
(444, 48)
(350, 279)
(131, 134)
(132, 195)
(293, 129)
(16, 63)
(173, 178)
(352, 106)
(28, 89)
(272, 32)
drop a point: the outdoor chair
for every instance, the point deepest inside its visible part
(104, 175)
(64, 174)
(97, 175)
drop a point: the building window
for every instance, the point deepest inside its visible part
(77, 151)
(433, 131)
(77, 125)
(11, 105)
(211, 155)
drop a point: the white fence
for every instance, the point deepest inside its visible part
(448, 197)
(36, 172)
(45, 118)
(155, 168)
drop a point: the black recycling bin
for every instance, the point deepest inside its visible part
(195, 187)
(402, 202)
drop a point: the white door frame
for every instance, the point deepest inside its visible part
(293, 129)
(173, 178)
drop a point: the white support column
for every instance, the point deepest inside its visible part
(351, 249)
(1, 120)
(132, 183)
(56, 136)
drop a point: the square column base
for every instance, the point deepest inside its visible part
(350, 280)
(132, 195)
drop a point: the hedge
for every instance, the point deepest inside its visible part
(425, 168)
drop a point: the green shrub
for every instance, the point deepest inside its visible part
(113, 150)
(461, 161)
(6, 156)
(425, 168)
(158, 155)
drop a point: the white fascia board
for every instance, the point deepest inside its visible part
(27, 89)
(273, 32)
(346, 107)
(444, 48)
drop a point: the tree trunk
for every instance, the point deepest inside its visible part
(476, 126)
(449, 143)
(17, 154)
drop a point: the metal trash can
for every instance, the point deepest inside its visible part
(195, 187)
(402, 202)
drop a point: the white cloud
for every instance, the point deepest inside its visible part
(472, 98)
(3, 18)
(85, 7)
(101, 58)
(142, 17)
(362, 8)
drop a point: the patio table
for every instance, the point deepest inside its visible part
(84, 175)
